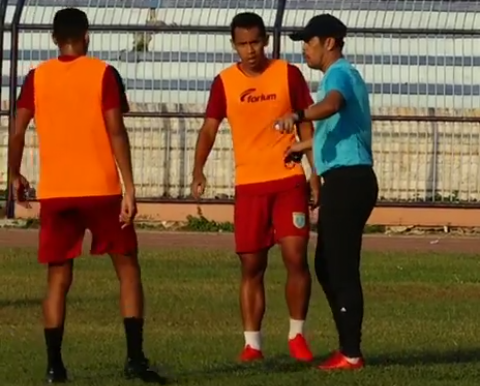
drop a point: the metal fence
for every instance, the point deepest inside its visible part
(418, 57)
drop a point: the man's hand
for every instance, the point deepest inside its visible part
(315, 190)
(287, 123)
(199, 182)
(299, 147)
(20, 187)
(128, 209)
(296, 147)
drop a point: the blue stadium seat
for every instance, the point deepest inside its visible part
(402, 71)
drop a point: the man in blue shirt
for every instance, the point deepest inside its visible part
(344, 138)
(342, 147)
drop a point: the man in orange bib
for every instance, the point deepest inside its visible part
(271, 195)
(77, 103)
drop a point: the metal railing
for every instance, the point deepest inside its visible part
(3, 14)
(426, 134)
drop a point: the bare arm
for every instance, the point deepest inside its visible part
(328, 106)
(120, 146)
(18, 128)
(215, 112)
(305, 147)
(114, 104)
(305, 131)
(16, 140)
(338, 89)
(301, 100)
(205, 141)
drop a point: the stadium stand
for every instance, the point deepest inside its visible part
(178, 67)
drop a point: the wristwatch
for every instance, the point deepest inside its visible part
(300, 116)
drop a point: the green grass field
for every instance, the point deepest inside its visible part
(421, 328)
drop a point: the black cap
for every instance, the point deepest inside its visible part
(322, 26)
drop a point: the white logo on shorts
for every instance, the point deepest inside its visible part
(299, 219)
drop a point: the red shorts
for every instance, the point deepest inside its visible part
(63, 222)
(269, 211)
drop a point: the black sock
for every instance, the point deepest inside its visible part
(53, 340)
(134, 334)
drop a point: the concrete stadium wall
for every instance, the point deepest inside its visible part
(413, 160)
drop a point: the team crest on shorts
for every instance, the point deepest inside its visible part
(299, 219)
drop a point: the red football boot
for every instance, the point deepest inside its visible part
(250, 354)
(299, 349)
(338, 361)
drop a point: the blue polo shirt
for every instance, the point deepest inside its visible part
(345, 138)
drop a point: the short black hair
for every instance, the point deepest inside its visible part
(248, 20)
(70, 25)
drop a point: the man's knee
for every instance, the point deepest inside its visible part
(254, 265)
(126, 267)
(60, 277)
(294, 253)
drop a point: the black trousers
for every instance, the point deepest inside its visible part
(348, 196)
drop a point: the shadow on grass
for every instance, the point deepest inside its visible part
(280, 364)
(276, 364)
(418, 358)
(72, 301)
(283, 364)
(21, 303)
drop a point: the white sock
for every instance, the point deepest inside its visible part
(296, 327)
(253, 339)
(353, 361)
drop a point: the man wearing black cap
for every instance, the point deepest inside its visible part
(342, 147)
